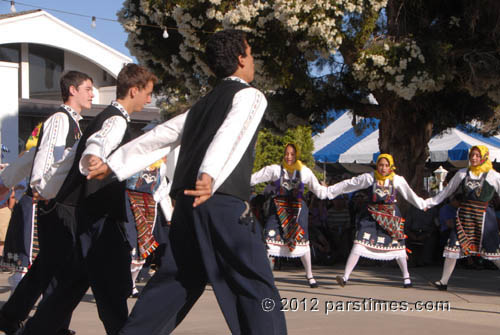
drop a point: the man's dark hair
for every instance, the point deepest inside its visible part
(72, 78)
(133, 75)
(223, 49)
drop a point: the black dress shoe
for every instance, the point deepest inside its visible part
(440, 286)
(7, 326)
(341, 281)
(312, 282)
(407, 285)
(135, 293)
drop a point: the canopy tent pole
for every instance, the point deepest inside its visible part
(324, 172)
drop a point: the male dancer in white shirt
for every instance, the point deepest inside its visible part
(49, 164)
(211, 237)
(101, 253)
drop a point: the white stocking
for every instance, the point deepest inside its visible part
(349, 266)
(306, 261)
(272, 261)
(448, 267)
(403, 265)
(135, 268)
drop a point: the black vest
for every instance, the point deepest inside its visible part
(238, 182)
(202, 123)
(98, 197)
(71, 138)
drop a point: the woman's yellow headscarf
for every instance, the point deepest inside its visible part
(485, 165)
(295, 166)
(390, 176)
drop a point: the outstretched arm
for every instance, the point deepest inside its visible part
(350, 185)
(12, 174)
(406, 192)
(267, 173)
(309, 179)
(138, 154)
(448, 190)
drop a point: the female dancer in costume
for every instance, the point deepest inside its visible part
(476, 228)
(287, 229)
(145, 190)
(380, 227)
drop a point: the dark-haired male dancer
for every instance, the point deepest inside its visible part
(53, 156)
(211, 238)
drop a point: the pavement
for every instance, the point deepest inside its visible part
(373, 302)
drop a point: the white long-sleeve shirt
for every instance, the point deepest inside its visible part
(107, 139)
(143, 151)
(273, 172)
(366, 180)
(492, 178)
(53, 160)
(51, 163)
(223, 154)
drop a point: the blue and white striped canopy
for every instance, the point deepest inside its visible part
(339, 143)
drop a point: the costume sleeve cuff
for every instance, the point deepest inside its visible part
(91, 150)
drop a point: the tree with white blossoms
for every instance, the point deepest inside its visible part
(430, 64)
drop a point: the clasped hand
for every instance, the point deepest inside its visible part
(97, 168)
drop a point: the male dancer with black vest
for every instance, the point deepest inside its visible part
(212, 238)
(102, 253)
(50, 162)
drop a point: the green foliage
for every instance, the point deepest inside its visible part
(269, 150)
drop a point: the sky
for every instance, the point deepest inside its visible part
(109, 33)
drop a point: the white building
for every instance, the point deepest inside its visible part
(35, 49)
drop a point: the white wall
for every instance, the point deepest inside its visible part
(107, 94)
(43, 28)
(9, 109)
(76, 62)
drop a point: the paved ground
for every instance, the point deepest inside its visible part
(473, 297)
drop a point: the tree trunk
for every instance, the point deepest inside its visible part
(407, 143)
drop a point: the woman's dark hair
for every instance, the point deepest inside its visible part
(72, 78)
(223, 49)
(290, 145)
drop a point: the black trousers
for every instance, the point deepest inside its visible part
(210, 244)
(104, 265)
(56, 243)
